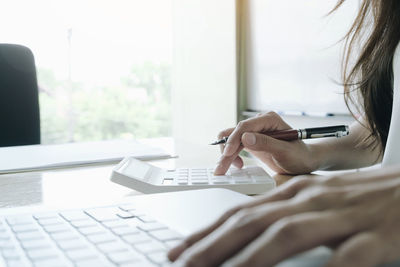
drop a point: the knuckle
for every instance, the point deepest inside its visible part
(332, 180)
(287, 230)
(272, 114)
(264, 139)
(245, 218)
(241, 124)
(297, 184)
(320, 197)
(302, 181)
(231, 212)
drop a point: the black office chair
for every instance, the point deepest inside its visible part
(19, 102)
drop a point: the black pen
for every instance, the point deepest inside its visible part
(307, 133)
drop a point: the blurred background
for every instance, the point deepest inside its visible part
(131, 69)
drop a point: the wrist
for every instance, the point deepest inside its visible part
(318, 156)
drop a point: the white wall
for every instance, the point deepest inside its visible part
(204, 69)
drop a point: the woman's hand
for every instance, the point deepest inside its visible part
(358, 212)
(293, 157)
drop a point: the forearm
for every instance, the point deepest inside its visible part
(349, 152)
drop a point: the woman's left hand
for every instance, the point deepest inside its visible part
(359, 212)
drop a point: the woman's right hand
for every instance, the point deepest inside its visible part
(285, 157)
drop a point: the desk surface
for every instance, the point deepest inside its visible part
(90, 186)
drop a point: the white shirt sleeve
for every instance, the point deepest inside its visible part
(392, 152)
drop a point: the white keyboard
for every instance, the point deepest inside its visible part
(147, 178)
(97, 237)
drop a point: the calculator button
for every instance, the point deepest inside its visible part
(200, 182)
(221, 182)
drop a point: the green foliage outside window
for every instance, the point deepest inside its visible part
(138, 107)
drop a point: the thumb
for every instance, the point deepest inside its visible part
(262, 142)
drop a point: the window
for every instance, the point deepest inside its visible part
(293, 54)
(104, 67)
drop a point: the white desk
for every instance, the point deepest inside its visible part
(87, 186)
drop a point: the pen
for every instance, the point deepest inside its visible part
(307, 133)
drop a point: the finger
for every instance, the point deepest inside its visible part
(268, 122)
(236, 233)
(365, 176)
(222, 134)
(295, 234)
(286, 191)
(175, 252)
(238, 162)
(225, 162)
(353, 251)
(265, 143)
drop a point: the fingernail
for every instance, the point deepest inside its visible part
(228, 150)
(249, 139)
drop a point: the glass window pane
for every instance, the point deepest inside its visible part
(104, 67)
(294, 54)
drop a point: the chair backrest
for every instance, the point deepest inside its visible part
(19, 102)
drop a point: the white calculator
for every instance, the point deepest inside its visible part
(147, 178)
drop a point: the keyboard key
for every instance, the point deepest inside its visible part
(115, 224)
(165, 235)
(146, 219)
(51, 221)
(148, 247)
(138, 238)
(20, 228)
(97, 239)
(125, 231)
(68, 235)
(137, 213)
(30, 235)
(127, 207)
(72, 244)
(92, 263)
(4, 236)
(172, 243)
(35, 244)
(93, 230)
(158, 257)
(6, 244)
(17, 220)
(110, 247)
(122, 257)
(52, 262)
(45, 216)
(15, 263)
(141, 263)
(81, 254)
(125, 215)
(83, 223)
(103, 214)
(41, 254)
(11, 254)
(74, 215)
(56, 228)
(151, 226)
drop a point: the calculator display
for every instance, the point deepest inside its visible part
(135, 169)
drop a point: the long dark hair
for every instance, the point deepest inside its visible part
(368, 83)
